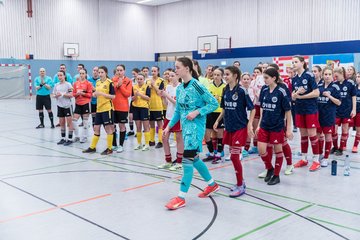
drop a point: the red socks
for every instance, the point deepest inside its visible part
(278, 163)
(314, 144)
(235, 159)
(179, 157)
(343, 141)
(287, 153)
(304, 144)
(327, 149)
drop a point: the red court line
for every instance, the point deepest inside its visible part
(142, 186)
(54, 208)
(75, 203)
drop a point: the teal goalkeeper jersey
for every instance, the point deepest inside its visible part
(190, 97)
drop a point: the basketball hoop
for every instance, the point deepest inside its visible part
(204, 52)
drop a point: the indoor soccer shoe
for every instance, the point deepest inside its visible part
(274, 180)
(269, 175)
(262, 174)
(130, 133)
(151, 144)
(138, 147)
(62, 141)
(209, 190)
(175, 203)
(253, 150)
(355, 149)
(289, 169)
(120, 149)
(209, 158)
(68, 142)
(89, 150)
(244, 153)
(314, 166)
(107, 152)
(333, 150)
(324, 163)
(159, 145)
(145, 148)
(238, 191)
(165, 165)
(339, 152)
(301, 163)
(176, 167)
(40, 126)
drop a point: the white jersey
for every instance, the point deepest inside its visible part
(171, 90)
(256, 86)
(63, 88)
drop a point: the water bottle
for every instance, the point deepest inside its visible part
(347, 161)
(333, 167)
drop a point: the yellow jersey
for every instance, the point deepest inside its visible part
(104, 104)
(156, 103)
(166, 82)
(139, 101)
(217, 92)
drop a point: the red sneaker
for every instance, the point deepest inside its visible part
(209, 190)
(314, 166)
(301, 163)
(175, 203)
(355, 149)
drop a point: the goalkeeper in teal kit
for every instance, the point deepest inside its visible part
(193, 103)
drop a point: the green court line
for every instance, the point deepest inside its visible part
(338, 209)
(255, 203)
(261, 227)
(303, 208)
(269, 193)
(335, 224)
(36, 169)
(147, 174)
(271, 222)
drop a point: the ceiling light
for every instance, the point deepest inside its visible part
(143, 1)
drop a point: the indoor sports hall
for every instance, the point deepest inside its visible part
(73, 161)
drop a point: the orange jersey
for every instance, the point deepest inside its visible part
(122, 94)
(87, 88)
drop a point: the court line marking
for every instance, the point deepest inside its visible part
(57, 207)
(65, 210)
(152, 165)
(334, 224)
(261, 227)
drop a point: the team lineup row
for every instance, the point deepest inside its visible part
(224, 107)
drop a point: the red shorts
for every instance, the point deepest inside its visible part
(357, 120)
(307, 120)
(271, 137)
(235, 139)
(340, 121)
(175, 128)
(257, 111)
(325, 130)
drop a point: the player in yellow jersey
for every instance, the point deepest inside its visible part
(104, 92)
(214, 139)
(140, 109)
(156, 85)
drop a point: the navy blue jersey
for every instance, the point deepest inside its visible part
(347, 91)
(327, 109)
(274, 105)
(357, 99)
(320, 82)
(307, 81)
(235, 102)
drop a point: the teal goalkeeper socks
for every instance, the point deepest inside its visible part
(203, 171)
